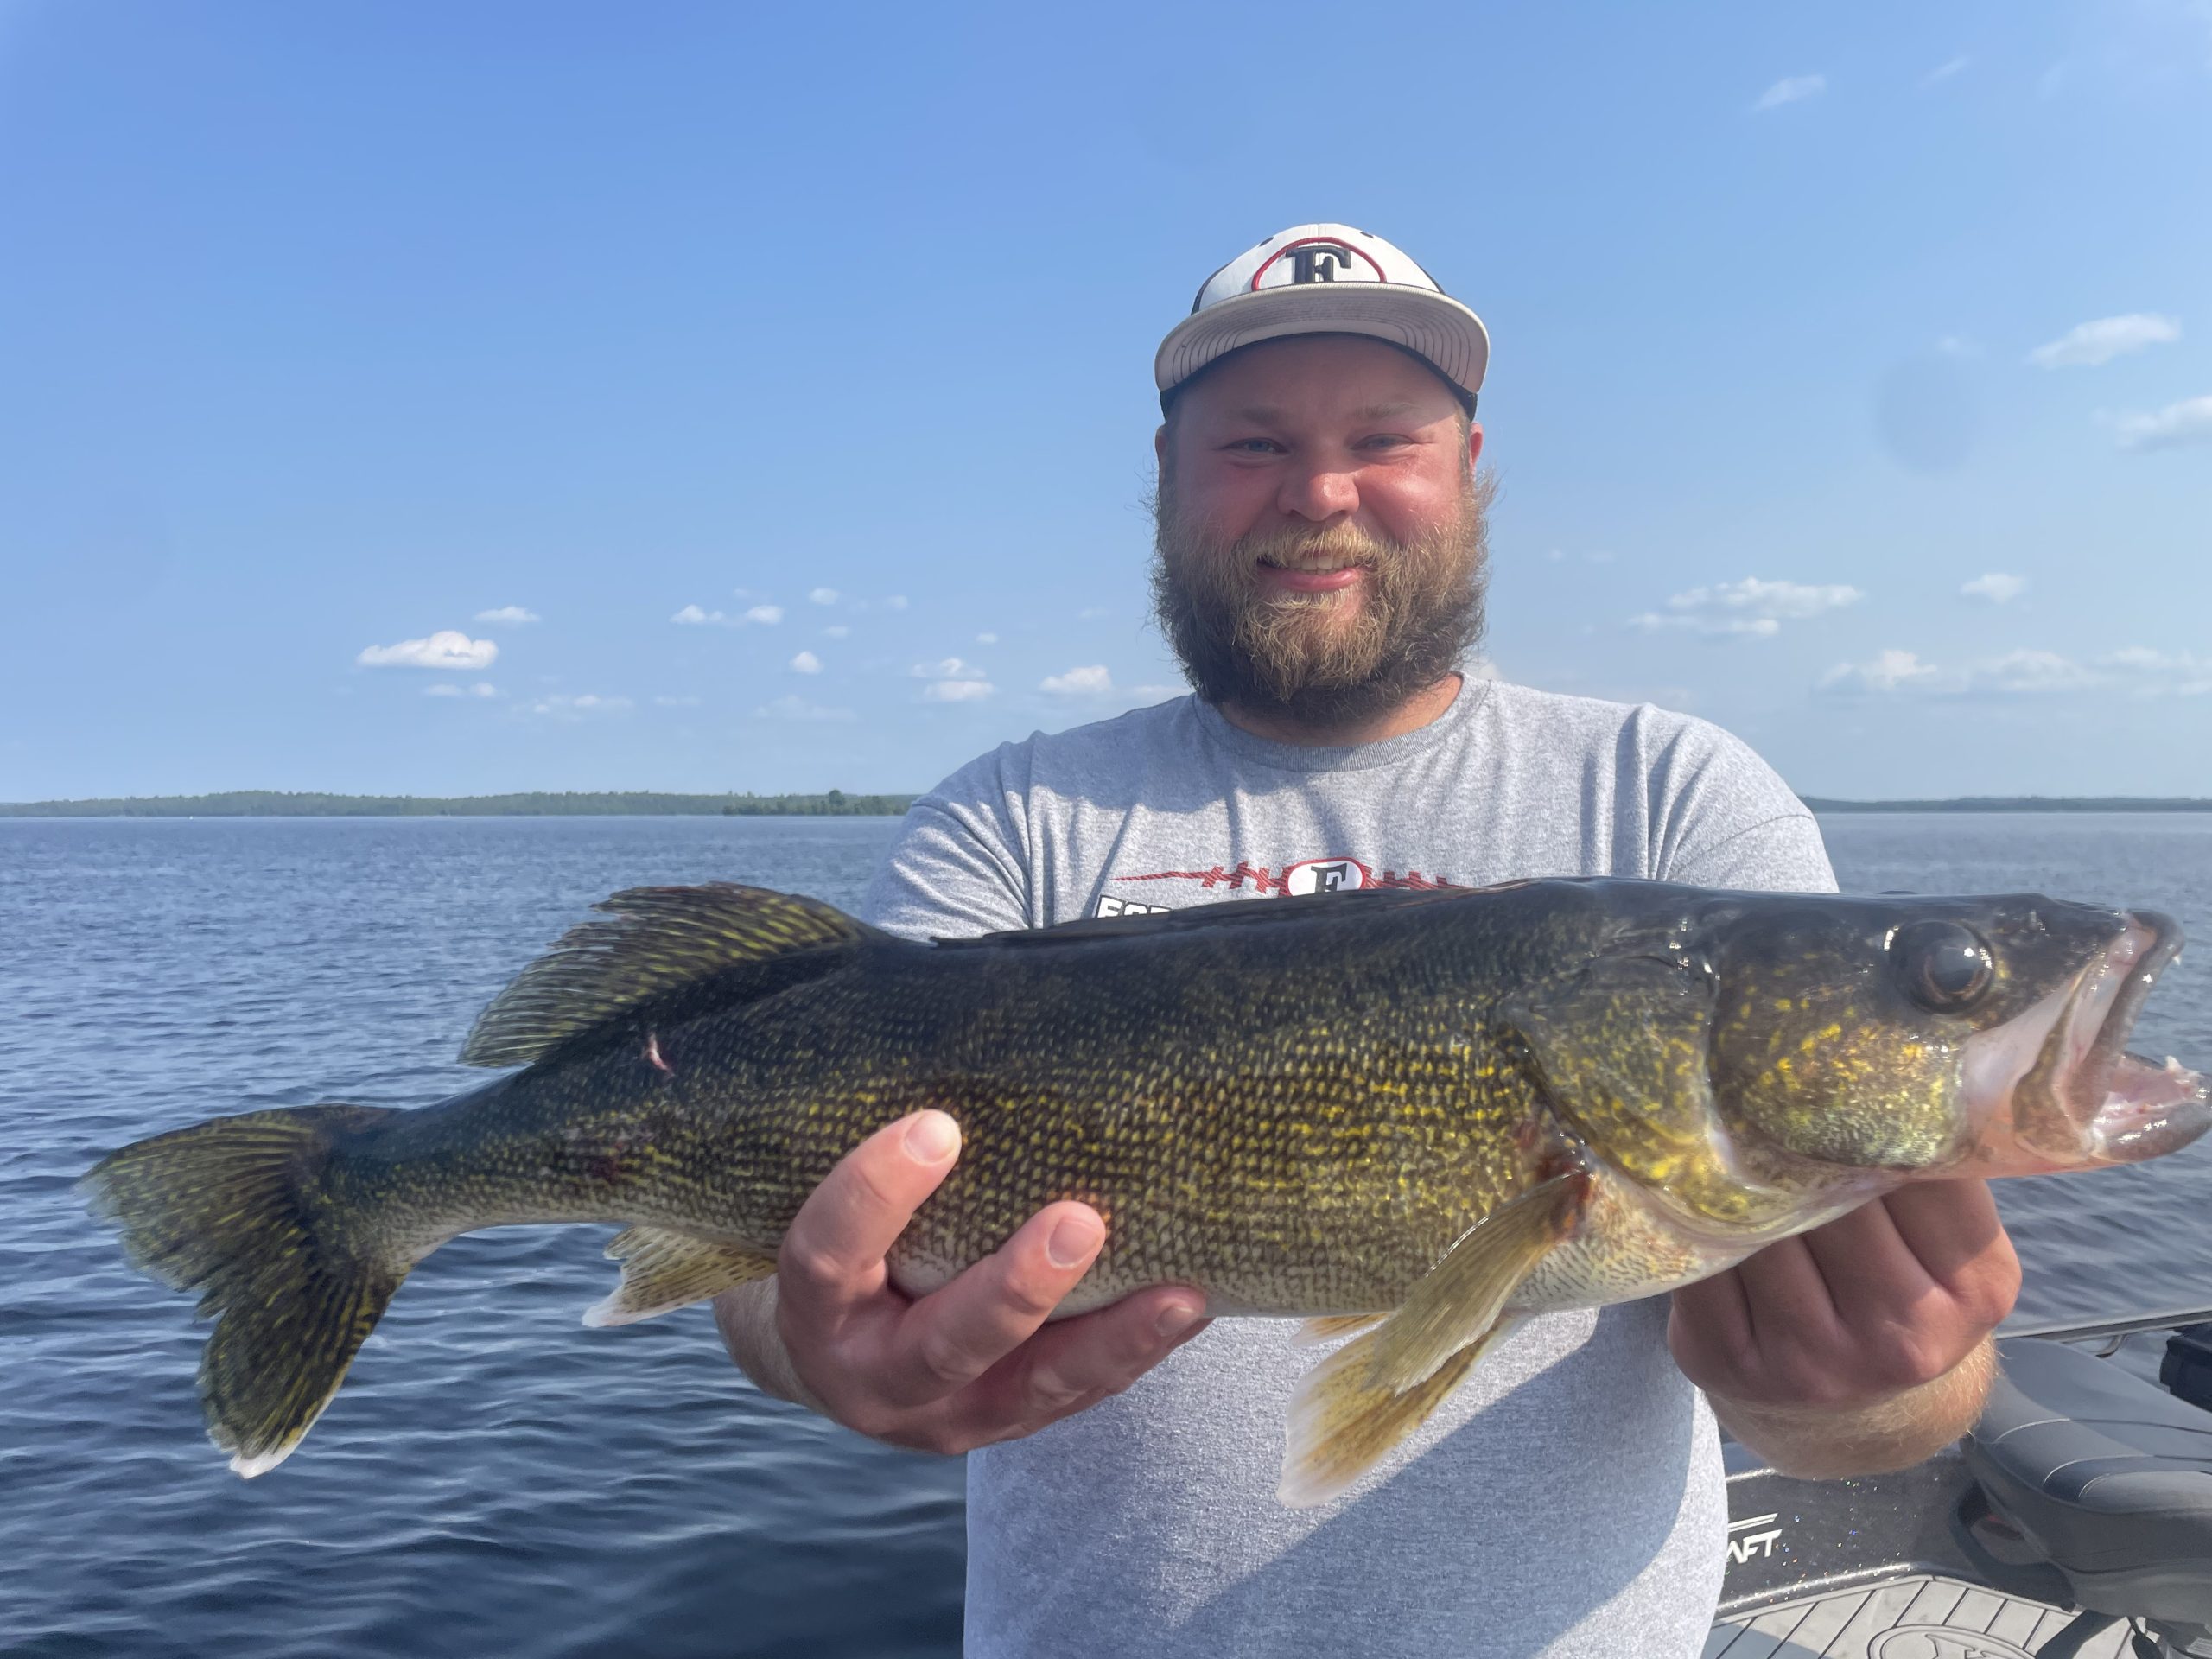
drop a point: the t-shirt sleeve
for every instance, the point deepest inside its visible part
(957, 868)
(1737, 824)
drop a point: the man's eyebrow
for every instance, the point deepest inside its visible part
(1267, 415)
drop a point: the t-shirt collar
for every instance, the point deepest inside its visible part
(1348, 757)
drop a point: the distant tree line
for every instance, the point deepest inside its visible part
(2022, 804)
(282, 803)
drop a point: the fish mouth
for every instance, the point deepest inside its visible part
(2075, 1096)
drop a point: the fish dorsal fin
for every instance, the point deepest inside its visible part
(1223, 912)
(658, 940)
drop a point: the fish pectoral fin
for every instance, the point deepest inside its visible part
(1328, 1329)
(1351, 1409)
(663, 1269)
(1342, 1423)
(1461, 1297)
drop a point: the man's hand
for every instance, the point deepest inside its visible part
(965, 1365)
(1859, 1346)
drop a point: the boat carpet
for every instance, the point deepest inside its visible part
(1918, 1617)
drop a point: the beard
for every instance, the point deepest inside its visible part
(1329, 658)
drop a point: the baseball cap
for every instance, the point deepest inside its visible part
(1326, 279)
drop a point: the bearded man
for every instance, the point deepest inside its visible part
(1320, 564)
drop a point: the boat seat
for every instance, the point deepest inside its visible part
(2111, 1477)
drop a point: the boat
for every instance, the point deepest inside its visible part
(2074, 1522)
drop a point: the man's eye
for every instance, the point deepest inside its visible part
(1255, 446)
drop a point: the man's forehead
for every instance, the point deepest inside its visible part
(1344, 376)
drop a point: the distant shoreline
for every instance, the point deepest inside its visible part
(2022, 804)
(833, 804)
(276, 804)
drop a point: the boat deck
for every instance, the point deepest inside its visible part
(1923, 1616)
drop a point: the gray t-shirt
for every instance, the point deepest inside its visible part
(1568, 1498)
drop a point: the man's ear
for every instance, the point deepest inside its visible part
(1474, 444)
(1159, 444)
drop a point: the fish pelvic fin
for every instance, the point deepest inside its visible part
(663, 1269)
(235, 1209)
(659, 941)
(1355, 1406)
(1342, 1423)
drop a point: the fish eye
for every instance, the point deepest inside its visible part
(1944, 967)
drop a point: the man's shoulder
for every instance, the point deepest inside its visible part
(1637, 734)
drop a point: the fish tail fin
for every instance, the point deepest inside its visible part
(236, 1209)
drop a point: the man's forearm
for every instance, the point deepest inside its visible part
(1832, 1443)
(746, 1319)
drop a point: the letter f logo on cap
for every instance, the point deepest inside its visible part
(1322, 279)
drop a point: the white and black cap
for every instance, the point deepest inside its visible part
(1326, 279)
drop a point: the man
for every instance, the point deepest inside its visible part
(1320, 564)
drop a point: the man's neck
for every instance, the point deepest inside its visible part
(1410, 715)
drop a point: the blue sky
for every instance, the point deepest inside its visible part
(327, 329)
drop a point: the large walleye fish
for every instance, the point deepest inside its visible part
(1431, 1113)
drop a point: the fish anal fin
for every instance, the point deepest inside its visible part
(1462, 1296)
(1343, 1423)
(1330, 1327)
(663, 1269)
(658, 939)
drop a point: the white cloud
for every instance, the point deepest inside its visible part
(2179, 673)
(448, 649)
(2089, 344)
(957, 690)
(1092, 612)
(987, 639)
(2030, 670)
(1945, 71)
(675, 703)
(1889, 671)
(1789, 89)
(806, 663)
(1091, 681)
(836, 631)
(692, 615)
(1996, 587)
(1138, 695)
(579, 708)
(791, 706)
(442, 690)
(824, 595)
(514, 615)
(1752, 607)
(949, 668)
(897, 601)
(2187, 421)
(2016, 673)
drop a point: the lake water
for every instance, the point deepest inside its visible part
(495, 1478)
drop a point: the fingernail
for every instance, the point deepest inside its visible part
(1072, 1241)
(931, 1138)
(1174, 1319)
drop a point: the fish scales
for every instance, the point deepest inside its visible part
(1444, 1110)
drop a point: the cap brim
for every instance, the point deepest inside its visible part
(1434, 326)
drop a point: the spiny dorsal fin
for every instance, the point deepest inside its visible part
(660, 938)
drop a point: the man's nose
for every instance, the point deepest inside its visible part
(1319, 491)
